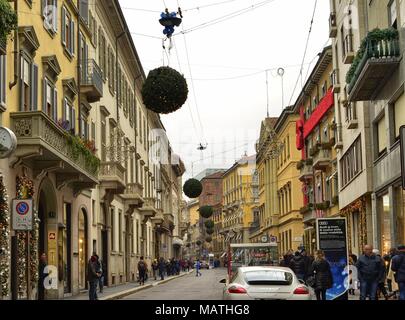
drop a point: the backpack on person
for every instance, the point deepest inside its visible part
(141, 266)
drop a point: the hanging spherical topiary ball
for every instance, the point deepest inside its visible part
(209, 224)
(206, 211)
(209, 231)
(188, 245)
(208, 239)
(192, 188)
(165, 90)
(198, 243)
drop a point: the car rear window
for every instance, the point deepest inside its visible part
(269, 277)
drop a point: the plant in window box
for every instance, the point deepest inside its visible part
(309, 161)
(322, 206)
(8, 22)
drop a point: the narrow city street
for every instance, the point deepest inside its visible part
(190, 287)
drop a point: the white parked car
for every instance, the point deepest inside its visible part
(265, 283)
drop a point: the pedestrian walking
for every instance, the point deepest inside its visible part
(42, 276)
(93, 277)
(177, 266)
(155, 268)
(398, 266)
(381, 289)
(142, 269)
(370, 273)
(198, 268)
(297, 264)
(353, 277)
(308, 261)
(323, 281)
(99, 270)
(162, 267)
(287, 259)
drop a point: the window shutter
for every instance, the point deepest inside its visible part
(34, 87)
(44, 95)
(55, 15)
(64, 107)
(64, 26)
(73, 120)
(72, 37)
(43, 6)
(22, 84)
(55, 105)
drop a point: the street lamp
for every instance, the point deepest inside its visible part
(280, 73)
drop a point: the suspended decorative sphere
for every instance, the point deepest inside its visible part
(208, 239)
(209, 224)
(198, 243)
(210, 231)
(206, 211)
(165, 90)
(192, 188)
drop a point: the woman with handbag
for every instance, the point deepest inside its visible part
(323, 279)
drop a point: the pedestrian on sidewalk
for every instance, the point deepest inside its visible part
(392, 284)
(93, 277)
(398, 266)
(198, 268)
(320, 269)
(142, 269)
(370, 273)
(162, 267)
(308, 261)
(155, 267)
(99, 270)
(42, 276)
(381, 284)
(297, 264)
(177, 267)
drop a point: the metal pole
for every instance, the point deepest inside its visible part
(267, 91)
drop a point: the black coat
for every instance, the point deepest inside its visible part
(323, 274)
(297, 264)
(370, 268)
(398, 266)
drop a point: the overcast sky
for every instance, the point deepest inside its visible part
(229, 111)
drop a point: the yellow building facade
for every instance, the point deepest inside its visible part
(239, 200)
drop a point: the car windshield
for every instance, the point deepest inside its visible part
(269, 277)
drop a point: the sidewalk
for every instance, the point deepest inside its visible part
(117, 292)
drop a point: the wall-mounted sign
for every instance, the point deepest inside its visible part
(22, 214)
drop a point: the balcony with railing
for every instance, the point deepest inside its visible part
(112, 176)
(335, 81)
(373, 67)
(148, 209)
(91, 82)
(306, 170)
(133, 194)
(322, 159)
(254, 227)
(47, 147)
(348, 49)
(333, 25)
(337, 129)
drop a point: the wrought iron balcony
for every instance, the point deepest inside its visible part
(254, 227)
(338, 136)
(335, 81)
(91, 82)
(379, 62)
(46, 147)
(112, 176)
(332, 25)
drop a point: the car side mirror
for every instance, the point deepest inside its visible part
(223, 281)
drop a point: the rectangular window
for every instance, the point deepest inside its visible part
(351, 163)
(382, 136)
(399, 114)
(68, 32)
(93, 211)
(103, 140)
(120, 230)
(50, 99)
(113, 242)
(68, 115)
(50, 15)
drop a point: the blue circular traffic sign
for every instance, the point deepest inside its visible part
(22, 208)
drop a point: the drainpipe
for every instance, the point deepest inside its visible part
(15, 52)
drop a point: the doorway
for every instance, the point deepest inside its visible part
(82, 248)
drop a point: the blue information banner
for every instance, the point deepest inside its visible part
(332, 239)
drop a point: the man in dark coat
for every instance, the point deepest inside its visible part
(93, 277)
(370, 273)
(297, 264)
(308, 260)
(162, 267)
(398, 266)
